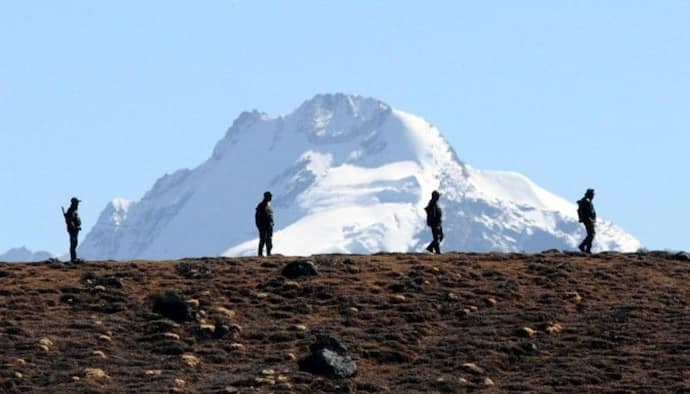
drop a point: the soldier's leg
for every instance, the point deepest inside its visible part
(269, 241)
(262, 241)
(590, 237)
(582, 244)
(73, 247)
(430, 247)
(436, 232)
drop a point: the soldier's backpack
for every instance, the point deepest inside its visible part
(430, 215)
(581, 210)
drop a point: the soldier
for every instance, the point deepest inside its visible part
(73, 227)
(264, 223)
(587, 216)
(433, 220)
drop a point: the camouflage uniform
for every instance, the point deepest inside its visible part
(434, 220)
(73, 227)
(264, 223)
(588, 218)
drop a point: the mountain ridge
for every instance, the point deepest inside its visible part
(350, 175)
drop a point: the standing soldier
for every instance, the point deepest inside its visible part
(587, 216)
(264, 222)
(73, 227)
(433, 220)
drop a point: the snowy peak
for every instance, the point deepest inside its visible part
(334, 118)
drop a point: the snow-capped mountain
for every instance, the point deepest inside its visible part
(348, 174)
(23, 255)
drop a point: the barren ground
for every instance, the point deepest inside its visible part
(414, 323)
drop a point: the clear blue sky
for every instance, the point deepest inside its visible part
(99, 99)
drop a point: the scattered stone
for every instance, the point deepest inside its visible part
(261, 295)
(180, 383)
(230, 389)
(153, 372)
(76, 378)
(207, 330)
(491, 301)
(488, 382)
(268, 372)
(529, 348)
(105, 338)
(353, 309)
(222, 330)
(95, 282)
(452, 297)
(573, 296)
(194, 271)
(329, 357)
(236, 346)
(193, 302)
(226, 312)
(473, 368)
(292, 285)
(473, 308)
(171, 335)
(46, 344)
(21, 361)
(173, 307)
(299, 327)
(554, 329)
(291, 356)
(18, 375)
(299, 268)
(398, 297)
(265, 380)
(95, 373)
(99, 353)
(525, 332)
(191, 360)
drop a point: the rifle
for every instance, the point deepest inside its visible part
(66, 218)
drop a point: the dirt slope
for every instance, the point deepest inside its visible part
(414, 323)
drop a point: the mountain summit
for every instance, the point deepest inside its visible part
(348, 174)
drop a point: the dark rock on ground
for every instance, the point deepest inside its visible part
(194, 271)
(682, 256)
(329, 357)
(173, 307)
(299, 268)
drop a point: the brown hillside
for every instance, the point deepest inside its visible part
(414, 323)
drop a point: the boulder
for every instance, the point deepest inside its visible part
(173, 307)
(330, 358)
(682, 256)
(298, 269)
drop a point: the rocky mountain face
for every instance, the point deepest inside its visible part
(348, 175)
(22, 254)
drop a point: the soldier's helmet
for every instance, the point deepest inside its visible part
(589, 193)
(267, 195)
(75, 200)
(435, 194)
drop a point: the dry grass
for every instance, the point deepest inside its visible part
(414, 323)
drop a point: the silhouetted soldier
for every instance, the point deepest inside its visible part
(588, 217)
(264, 222)
(73, 227)
(433, 220)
